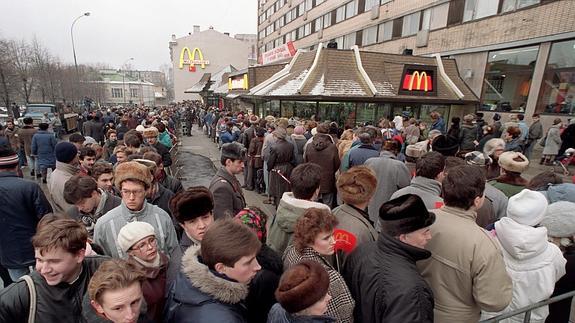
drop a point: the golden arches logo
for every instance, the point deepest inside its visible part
(420, 77)
(192, 61)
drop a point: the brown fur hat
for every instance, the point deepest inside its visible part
(301, 286)
(357, 185)
(132, 171)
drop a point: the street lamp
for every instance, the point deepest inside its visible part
(124, 79)
(86, 14)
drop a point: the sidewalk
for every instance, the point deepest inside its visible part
(200, 144)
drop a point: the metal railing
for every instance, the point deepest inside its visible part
(527, 309)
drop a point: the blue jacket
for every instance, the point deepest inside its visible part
(43, 146)
(23, 205)
(359, 155)
(439, 124)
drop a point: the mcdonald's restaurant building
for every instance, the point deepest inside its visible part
(352, 87)
(207, 51)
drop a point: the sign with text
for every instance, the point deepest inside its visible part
(192, 60)
(418, 80)
(238, 82)
(284, 51)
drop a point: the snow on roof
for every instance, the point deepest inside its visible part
(319, 87)
(291, 86)
(344, 87)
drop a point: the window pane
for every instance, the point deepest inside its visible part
(508, 5)
(370, 4)
(318, 24)
(369, 36)
(486, 8)
(469, 10)
(385, 31)
(439, 16)
(410, 24)
(426, 23)
(508, 79)
(327, 20)
(308, 4)
(339, 41)
(350, 10)
(340, 14)
(558, 87)
(349, 40)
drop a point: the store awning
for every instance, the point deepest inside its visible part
(202, 85)
(355, 75)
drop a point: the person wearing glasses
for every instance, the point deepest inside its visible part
(133, 180)
(138, 240)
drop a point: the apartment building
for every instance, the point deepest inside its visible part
(517, 56)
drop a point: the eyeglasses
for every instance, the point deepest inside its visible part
(152, 242)
(135, 193)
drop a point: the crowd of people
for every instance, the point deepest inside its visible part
(393, 222)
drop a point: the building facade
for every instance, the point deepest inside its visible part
(517, 56)
(207, 51)
(120, 88)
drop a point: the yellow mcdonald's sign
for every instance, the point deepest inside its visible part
(420, 77)
(191, 58)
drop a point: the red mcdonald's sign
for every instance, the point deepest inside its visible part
(417, 81)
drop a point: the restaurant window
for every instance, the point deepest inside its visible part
(477, 9)
(410, 24)
(117, 93)
(339, 14)
(365, 113)
(435, 18)
(383, 111)
(349, 40)
(510, 5)
(369, 36)
(327, 20)
(304, 109)
(385, 31)
(351, 9)
(425, 112)
(318, 24)
(558, 86)
(370, 4)
(508, 79)
(341, 112)
(287, 108)
(273, 108)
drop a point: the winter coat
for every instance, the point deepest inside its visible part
(107, 203)
(534, 265)
(23, 205)
(515, 144)
(343, 146)
(279, 315)
(255, 152)
(385, 283)
(228, 194)
(363, 152)
(25, 138)
(438, 124)
(324, 153)
(164, 152)
(56, 182)
(43, 146)
(559, 311)
(282, 226)
(154, 286)
(356, 223)
(428, 189)
(171, 183)
(391, 175)
(162, 199)
(281, 159)
(535, 132)
(261, 295)
(411, 134)
(164, 139)
(552, 141)
(61, 303)
(298, 142)
(341, 304)
(568, 139)
(97, 131)
(466, 270)
(498, 200)
(467, 135)
(199, 295)
(509, 185)
(108, 226)
(12, 136)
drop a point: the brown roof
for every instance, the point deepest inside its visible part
(201, 85)
(337, 76)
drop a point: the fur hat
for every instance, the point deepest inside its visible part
(513, 161)
(132, 170)
(149, 132)
(477, 158)
(357, 185)
(151, 165)
(133, 232)
(560, 219)
(254, 119)
(65, 152)
(192, 203)
(322, 128)
(445, 145)
(233, 150)
(140, 128)
(404, 214)
(527, 207)
(302, 285)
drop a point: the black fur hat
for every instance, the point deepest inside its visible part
(192, 203)
(404, 214)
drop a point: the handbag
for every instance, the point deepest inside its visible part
(542, 141)
(32, 290)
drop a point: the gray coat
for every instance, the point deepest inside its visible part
(228, 195)
(355, 222)
(553, 141)
(392, 175)
(428, 189)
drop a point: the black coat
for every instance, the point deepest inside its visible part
(23, 204)
(54, 304)
(385, 283)
(164, 152)
(261, 296)
(228, 195)
(282, 161)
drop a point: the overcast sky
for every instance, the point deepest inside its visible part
(119, 29)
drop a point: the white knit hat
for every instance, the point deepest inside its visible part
(133, 232)
(527, 207)
(560, 219)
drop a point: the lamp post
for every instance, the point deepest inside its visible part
(124, 79)
(86, 14)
